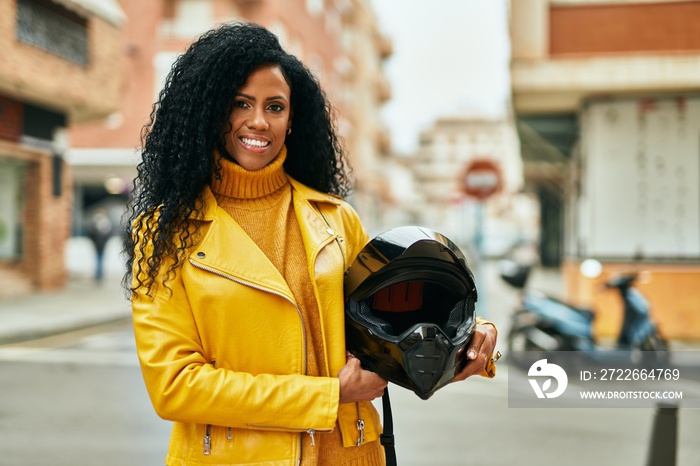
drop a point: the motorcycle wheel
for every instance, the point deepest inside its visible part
(653, 352)
(519, 339)
(657, 348)
(654, 342)
(518, 342)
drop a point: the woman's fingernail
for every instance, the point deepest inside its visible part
(471, 354)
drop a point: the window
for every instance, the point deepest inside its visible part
(314, 7)
(186, 18)
(53, 28)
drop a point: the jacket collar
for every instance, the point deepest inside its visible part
(213, 253)
(301, 192)
(313, 195)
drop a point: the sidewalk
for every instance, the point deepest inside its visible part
(82, 303)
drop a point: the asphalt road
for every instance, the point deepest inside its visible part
(78, 399)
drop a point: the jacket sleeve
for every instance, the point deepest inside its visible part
(354, 227)
(185, 387)
(490, 369)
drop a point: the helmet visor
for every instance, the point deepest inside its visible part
(397, 309)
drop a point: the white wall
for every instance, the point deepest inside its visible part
(640, 179)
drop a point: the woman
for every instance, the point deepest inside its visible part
(240, 243)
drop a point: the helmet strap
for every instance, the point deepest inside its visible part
(387, 436)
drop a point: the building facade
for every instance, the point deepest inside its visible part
(60, 65)
(607, 102)
(338, 40)
(436, 194)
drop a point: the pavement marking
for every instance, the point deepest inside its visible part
(68, 356)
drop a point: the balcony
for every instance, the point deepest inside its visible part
(54, 29)
(63, 55)
(560, 85)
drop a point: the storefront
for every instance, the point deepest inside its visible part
(11, 207)
(35, 198)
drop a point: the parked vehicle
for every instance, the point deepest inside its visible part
(548, 324)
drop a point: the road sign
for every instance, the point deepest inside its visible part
(482, 179)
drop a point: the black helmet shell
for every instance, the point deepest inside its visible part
(410, 308)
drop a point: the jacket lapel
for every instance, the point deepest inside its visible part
(227, 249)
(240, 258)
(315, 232)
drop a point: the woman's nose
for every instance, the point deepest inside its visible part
(257, 120)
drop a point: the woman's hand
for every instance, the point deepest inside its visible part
(357, 384)
(480, 351)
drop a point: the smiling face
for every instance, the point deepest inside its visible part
(260, 118)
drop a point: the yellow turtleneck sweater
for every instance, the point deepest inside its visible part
(261, 202)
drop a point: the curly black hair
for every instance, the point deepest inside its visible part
(188, 124)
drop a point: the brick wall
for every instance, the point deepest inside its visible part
(632, 28)
(48, 217)
(31, 73)
(46, 225)
(138, 46)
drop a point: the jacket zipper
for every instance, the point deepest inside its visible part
(311, 432)
(207, 433)
(207, 430)
(360, 422)
(207, 440)
(338, 240)
(256, 287)
(360, 426)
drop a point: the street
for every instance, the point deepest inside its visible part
(78, 399)
(240, 137)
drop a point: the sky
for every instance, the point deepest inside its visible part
(449, 57)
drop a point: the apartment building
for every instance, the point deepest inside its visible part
(60, 65)
(606, 96)
(434, 193)
(338, 40)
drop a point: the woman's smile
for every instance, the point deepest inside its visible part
(255, 144)
(260, 119)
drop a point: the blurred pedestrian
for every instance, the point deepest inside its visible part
(99, 229)
(240, 244)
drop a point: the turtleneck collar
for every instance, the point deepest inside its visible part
(238, 183)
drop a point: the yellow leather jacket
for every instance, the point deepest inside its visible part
(223, 354)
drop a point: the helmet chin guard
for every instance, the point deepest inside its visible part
(410, 308)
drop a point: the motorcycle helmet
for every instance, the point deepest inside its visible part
(409, 308)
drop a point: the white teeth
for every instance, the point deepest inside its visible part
(255, 142)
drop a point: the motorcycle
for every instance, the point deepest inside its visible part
(543, 323)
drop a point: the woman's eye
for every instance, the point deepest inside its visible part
(276, 107)
(240, 104)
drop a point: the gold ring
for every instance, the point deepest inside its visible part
(495, 357)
